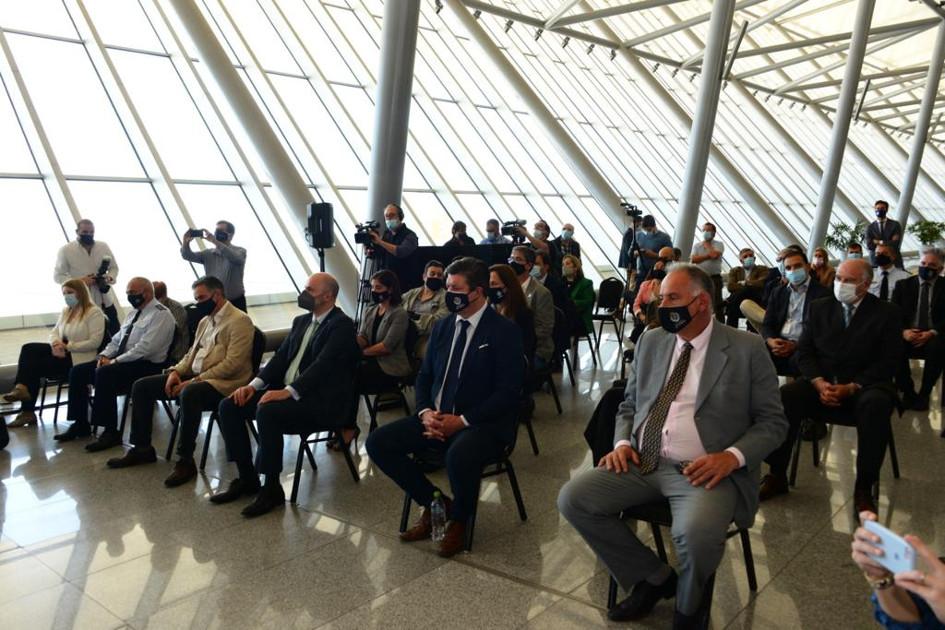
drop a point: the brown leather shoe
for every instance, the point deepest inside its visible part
(23, 419)
(454, 541)
(863, 500)
(184, 471)
(423, 528)
(772, 486)
(133, 457)
(19, 393)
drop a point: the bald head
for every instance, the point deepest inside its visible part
(324, 291)
(666, 253)
(142, 290)
(856, 272)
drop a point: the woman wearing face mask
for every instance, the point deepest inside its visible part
(820, 269)
(581, 292)
(508, 299)
(644, 310)
(382, 336)
(426, 305)
(74, 339)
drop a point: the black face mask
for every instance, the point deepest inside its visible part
(927, 273)
(221, 236)
(456, 302)
(305, 301)
(434, 284)
(880, 214)
(496, 295)
(379, 296)
(675, 318)
(517, 267)
(657, 274)
(87, 239)
(882, 260)
(204, 308)
(135, 299)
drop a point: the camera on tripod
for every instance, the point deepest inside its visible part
(363, 234)
(510, 228)
(631, 210)
(101, 280)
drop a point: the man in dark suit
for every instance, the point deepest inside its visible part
(460, 238)
(468, 392)
(884, 231)
(848, 355)
(921, 299)
(306, 387)
(788, 309)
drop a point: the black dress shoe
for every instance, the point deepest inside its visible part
(642, 599)
(813, 430)
(184, 471)
(269, 498)
(237, 488)
(76, 430)
(863, 500)
(688, 622)
(108, 439)
(921, 403)
(133, 457)
(772, 486)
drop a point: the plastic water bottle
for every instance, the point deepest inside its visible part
(438, 517)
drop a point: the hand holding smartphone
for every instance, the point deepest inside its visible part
(898, 555)
(195, 233)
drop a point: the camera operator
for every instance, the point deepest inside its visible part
(85, 259)
(398, 244)
(226, 261)
(493, 234)
(539, 241)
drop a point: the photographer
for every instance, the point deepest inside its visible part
(398, 244)
(226, 261)
(493, 234)
(540, 243)
(93, 263)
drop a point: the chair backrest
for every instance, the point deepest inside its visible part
(560, 332)
(259, 348)
(609, 294)
(410, 341)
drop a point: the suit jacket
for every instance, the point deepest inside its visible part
(891, 234)
(543, 307)
(229, 363)
(756, 278)
(738, 403)
(83, 336)
(493, 372)
(393, 332)
(866, 352)
(327, 369)
(905, 295)
(779, 302)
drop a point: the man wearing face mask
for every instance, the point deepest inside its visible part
(426, 304)
(565, 243)
(848, 354)
(921, 299)
(138, 349)
(539, 241)
(494, 234)
(788, 309)
(887, 275)
(539, 300)
(82, 259)
(701, 411)
(307, 386)
(883, 231)
(468, 393)
(650, 240)
(395, 248)
(218, 362)
(745, 282)
(225, 261)
(182, 332)
(707, 253)
(854, 251)
(459, 239)
(776, 277)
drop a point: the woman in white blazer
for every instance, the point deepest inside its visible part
(76, 338)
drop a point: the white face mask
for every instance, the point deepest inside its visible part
(844, 292)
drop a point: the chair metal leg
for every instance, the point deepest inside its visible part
(372, 411)
(175, 425)
(792, 480)
(600, 333)
(658, 541)
(531, 434)
(405, 514)
(124, 414)
(298, 472)
(816, 452)
(567, 364)
(892, 453)
(516, 492)
(349, 460)
(253, 431)
(612, 593)
(308, 452)
(206, 440)
(554, 392)
(749, 560)
(55, 417)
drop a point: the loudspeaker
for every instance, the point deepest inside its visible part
(321, 226)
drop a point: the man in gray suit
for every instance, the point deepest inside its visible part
(701, 412)
(539, 300)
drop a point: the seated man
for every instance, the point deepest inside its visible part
(745, 282)
(182, 332)
(138, 349)
(539, 300)
(701, 412)
(468, 393)
(310, 382)
(887, 274)
(218, 362)
(854, 251)
(426, 305)
(775, 277)
(561, 299)
(848, 354)
(921, 300)
(788, 308)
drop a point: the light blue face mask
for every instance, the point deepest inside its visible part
(796, 276)
(708, 235)
(749, 262)
(71, 300)
(392, 224)
(854, 255)
(566, 235)
(535, 272)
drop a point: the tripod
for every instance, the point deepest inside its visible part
(368, 264)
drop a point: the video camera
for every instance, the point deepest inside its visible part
(510, 228)
(100, 276)
(631, 210)
(363, 236)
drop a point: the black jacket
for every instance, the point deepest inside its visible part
(906, 296)
(778, 302)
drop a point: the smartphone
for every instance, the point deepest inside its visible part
(898, 555)
(195, 233)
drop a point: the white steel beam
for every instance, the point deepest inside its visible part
(675, 28)
(622, 9)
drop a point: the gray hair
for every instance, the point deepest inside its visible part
(699, 279)
(935, 251)
(866, 269)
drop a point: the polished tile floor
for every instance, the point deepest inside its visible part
(87, 547)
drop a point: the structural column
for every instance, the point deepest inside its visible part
(841, 123)
(922, 125)
(584, 169)
(285, 177)
(392, 105)
(700, 135)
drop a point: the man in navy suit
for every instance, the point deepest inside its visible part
(306, 387)
(468, 392)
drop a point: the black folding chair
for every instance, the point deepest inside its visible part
(607, 310)
(44, 383)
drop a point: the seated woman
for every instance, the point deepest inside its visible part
(581, 292)
(382, 336)
(907, 600)
(508, 299)
(820, 269)
(647, 296)
(74, 339)
(426, 305)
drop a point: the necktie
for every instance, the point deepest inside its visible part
(451, 382)
(123, 344)
(293, 370)
(847, 314)
(923, 319)
(884, 287)
(653, 433)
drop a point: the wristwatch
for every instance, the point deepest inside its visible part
(882, 583)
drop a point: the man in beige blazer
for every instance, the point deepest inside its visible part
(218, 362)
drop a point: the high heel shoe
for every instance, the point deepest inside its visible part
(338, 444)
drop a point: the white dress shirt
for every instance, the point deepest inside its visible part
(794, 322)
(74, 261)
(895, 274)
(208, 338)
(150, 338)
(681, 441)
